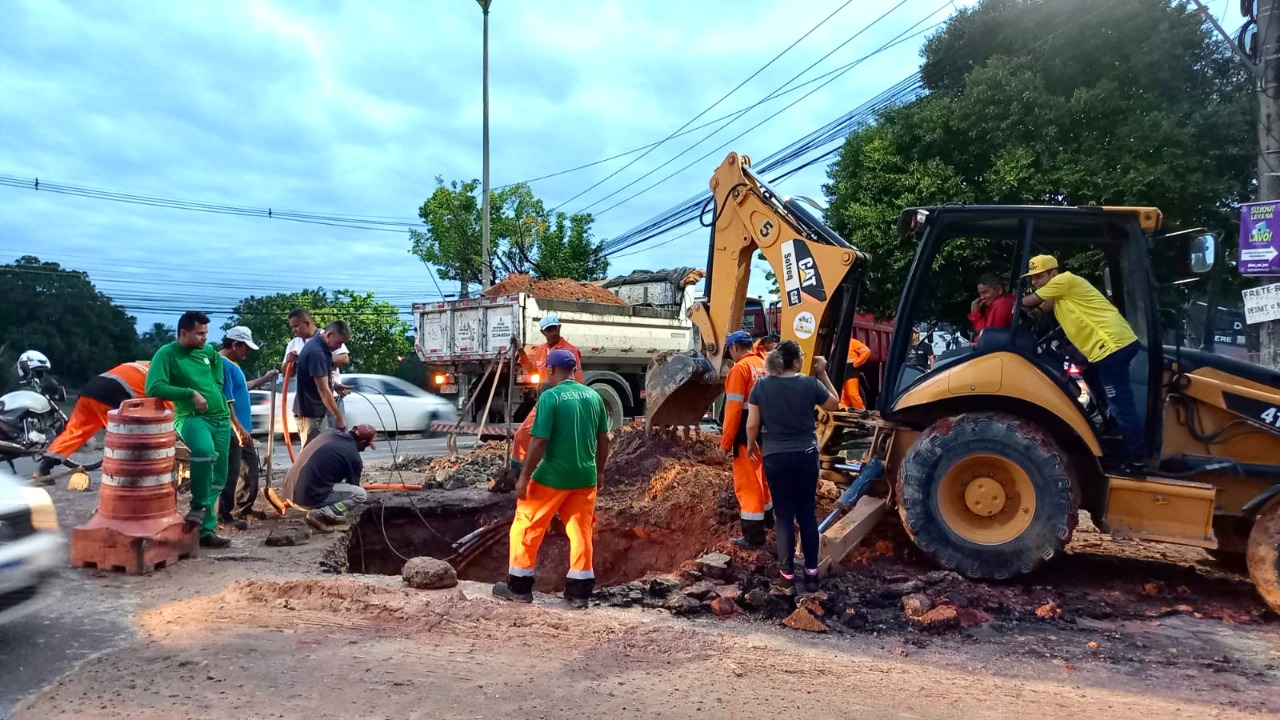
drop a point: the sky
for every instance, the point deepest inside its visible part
(354, 108)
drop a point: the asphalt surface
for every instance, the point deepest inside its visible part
(78, 619)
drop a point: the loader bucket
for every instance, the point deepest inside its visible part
(679, 387)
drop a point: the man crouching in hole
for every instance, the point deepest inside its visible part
(561, 474)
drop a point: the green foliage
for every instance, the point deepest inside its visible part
(525, 237)
(1065, 102)
(60, 313)
(379, 337)
(155, 336)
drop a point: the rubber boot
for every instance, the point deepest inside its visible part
(578, 592)
(515, 589)
(753, 533)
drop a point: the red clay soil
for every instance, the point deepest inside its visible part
(554, 289)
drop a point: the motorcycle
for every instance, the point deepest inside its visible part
(30, 417)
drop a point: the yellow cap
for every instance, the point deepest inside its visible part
(1039, 264)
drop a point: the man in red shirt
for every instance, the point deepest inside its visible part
(993, 308)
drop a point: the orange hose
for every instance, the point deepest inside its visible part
(284, 410)
(389, 486)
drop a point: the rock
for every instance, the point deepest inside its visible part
(940, 619)
(1049, 611)
(756, 599)
(724, 607)
(937, 576)
(972, 617)
(893, 592)
(804, 620)
(682, 605)
(959, 599)
(853, 619)
(428, 573)
(289, 536)
(716, 565)
(700, 591)
(916, 604)
(663, 586)
(729, 592)
(812, 604)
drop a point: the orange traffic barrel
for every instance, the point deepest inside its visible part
(136, 528)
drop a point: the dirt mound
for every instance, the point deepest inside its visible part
(452, 472)
(554, 289)
(636, 456)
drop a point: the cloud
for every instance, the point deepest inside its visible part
(354, 108)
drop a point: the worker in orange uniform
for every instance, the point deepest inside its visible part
(101, 395)
(851, 397)
(766, 344)
(550, 327)
(561, 474)
(755, 506)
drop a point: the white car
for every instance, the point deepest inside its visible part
(31, 548)
(389, 404)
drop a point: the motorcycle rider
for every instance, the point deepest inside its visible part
(33, 369)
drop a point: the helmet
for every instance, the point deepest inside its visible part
(33, 363)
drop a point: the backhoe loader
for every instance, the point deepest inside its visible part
(989, 454)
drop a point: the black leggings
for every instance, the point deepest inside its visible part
(793, 482)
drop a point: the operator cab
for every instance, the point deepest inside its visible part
(960, 245)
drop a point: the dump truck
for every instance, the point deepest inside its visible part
(988, 456)
(459, 340)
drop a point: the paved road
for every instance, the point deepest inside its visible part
(79, 619)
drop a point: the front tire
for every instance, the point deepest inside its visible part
(987, 495)
(612, 403)
(1263, 555)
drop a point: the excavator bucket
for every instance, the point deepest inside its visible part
(679, 387)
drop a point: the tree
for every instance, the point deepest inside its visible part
(525, 237)
(155, 336)
(60, 313)
(1064, 102)
(379, 336)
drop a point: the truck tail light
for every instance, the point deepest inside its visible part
(443, 379)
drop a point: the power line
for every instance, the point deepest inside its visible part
(716, 131)
(724, 97)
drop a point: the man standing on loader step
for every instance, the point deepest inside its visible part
(1100, 332)
(755, 506)
(855, 383)
(188, 373)
(561, 474)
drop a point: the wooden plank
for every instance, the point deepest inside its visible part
(849, 530)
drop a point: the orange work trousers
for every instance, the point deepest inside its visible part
(851, 395)
(88, 417)
(577, 508)
(749, 486)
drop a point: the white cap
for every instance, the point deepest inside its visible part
(242, 334)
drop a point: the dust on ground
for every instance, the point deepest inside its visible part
(553, 289)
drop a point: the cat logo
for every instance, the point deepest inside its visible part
(800, 274)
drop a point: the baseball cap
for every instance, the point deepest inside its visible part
(1039, 264)
(738, 337)
(366, 433)
(243, 334)
(562, 359)
(548, 321)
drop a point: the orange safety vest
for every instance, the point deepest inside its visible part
(539, 362)
(132, 375)
(523, 436)
(737, 391)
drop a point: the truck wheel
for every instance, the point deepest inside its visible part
(987, 495)
(1263, 555)
(612, 403)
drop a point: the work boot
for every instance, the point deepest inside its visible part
(42, 474)
(319, 522)
(194, 517)
(251, 513)
(578, 592)
(233, 523)
(753, 535)
(515, 589)
(214, 541)
(769, 520)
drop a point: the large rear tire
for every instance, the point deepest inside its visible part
(987, 495)
(1263, 555)
(612, 403)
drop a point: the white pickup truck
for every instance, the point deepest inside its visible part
(458, 340)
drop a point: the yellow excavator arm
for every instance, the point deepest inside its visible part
(817, 272)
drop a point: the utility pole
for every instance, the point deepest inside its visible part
(485, 270)
(1258, 48)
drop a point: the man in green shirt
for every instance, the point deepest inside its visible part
(561, 474)
(188, 373)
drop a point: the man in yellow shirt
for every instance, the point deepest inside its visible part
(1101, 334)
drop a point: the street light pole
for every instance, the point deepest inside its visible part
(485, 271)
